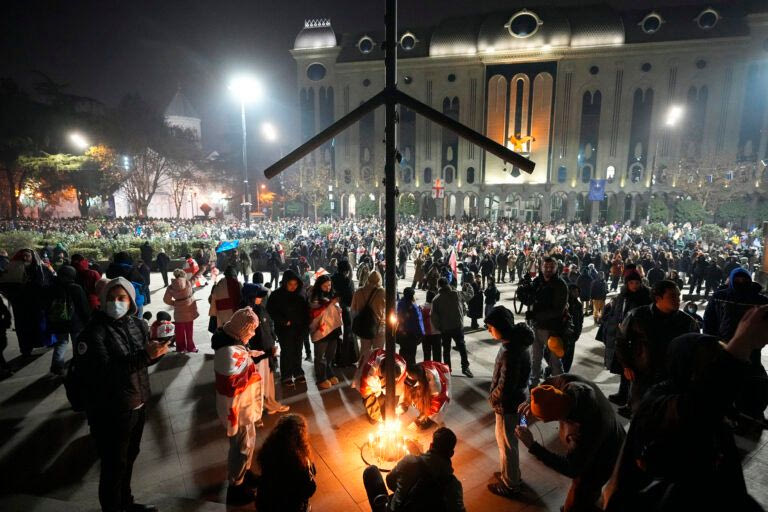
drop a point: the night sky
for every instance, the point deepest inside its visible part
(105, 49)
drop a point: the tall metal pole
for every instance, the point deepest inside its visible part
(246, 199)
(390, 64)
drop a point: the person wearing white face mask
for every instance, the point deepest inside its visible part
(111, 356)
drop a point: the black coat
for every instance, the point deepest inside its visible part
(264, 337)
(614, 315)
(509, 383)
(284, 307)
(550, 302)
(111, 360)
(66, 289)
(344, 288)
(475, 304)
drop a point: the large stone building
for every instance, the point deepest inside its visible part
(585, 91)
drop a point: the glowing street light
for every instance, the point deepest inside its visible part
(247, 90)
(269, 131)
(79, 141)
(674, 114)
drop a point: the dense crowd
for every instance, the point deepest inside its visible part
(687, 381)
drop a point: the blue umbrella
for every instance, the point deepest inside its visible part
(228, 246)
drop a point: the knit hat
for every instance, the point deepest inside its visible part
(242, 325)
(632, 276)
(549, 403)
(163, 315)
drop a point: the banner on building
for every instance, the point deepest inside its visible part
(596, 190)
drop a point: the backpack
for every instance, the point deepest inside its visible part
(364, 325)
(60, 312)
(426, 493)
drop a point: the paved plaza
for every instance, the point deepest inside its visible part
(49, 463)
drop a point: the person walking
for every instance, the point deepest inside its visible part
(112, 356)
(289, 310)
(598, 291)
(447, 317)
(162, 261)
(181, 296)
(509, 389)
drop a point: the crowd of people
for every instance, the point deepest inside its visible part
(687, 382)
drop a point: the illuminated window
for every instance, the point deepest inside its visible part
(610, 173)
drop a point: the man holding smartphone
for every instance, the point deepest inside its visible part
(509, 387)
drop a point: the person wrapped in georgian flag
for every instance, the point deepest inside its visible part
(192, 269)
(428, 388)
(238, 392)
(372, 385)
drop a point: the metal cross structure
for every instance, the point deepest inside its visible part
(390, 97)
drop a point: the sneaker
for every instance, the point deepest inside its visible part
(618, 398)
(467, 372)
(333, 380)
(326, 384)
(301, 379)
(502, 490)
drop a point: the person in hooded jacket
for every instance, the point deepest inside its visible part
(86, 278)
(162, 261)
(122, 266)
(111, 358)
(679, 453)
(289, 310)
(68, 313)
(225, 296)
(410, 326)
(633, 294)
(263, 340)
(181, 295)
(724, 311)
(509, 389)
(344, 288)
(325, 328)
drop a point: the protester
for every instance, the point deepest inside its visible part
(325, 330)
(589, 432)
(287, 479)
(181, 296)
(410, 326)
(344, 289)
(547, 316)
(598, 291)
(679, 453)
(162, 261)
(238, 399)
(431, 343)
(644, 336)
(67, 313)
(439, 488)
(633, 295)
(475, 303)
(509, 389)
(576, 319)
(289, 310)
(112, 356)
(86, 278)
(369, 301)
(225, 296)
(492, 296)
(447, 317)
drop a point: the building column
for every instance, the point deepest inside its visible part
(594, 211)
(633, 210)
(570, 208)
(546, 207)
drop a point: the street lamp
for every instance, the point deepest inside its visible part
(674, 115)
(79, 141)
(258, 196)
(269, 131)
(247, 90)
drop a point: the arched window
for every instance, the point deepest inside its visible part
(470, 175)
(428, 176)
(562, 174)
(449, 174)
(586, 173)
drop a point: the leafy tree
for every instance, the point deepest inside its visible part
(366, 207)
(736, 211)
(659, 212)
(408, 205)
(655, 230)
(711, 234)
(687, 210)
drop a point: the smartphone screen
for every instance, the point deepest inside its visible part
(523, 421)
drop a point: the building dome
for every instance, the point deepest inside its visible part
(524, 30)
(317, 33)
(454, 36)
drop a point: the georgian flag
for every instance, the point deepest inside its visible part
(238, 387)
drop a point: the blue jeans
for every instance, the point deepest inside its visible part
(509, 454)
